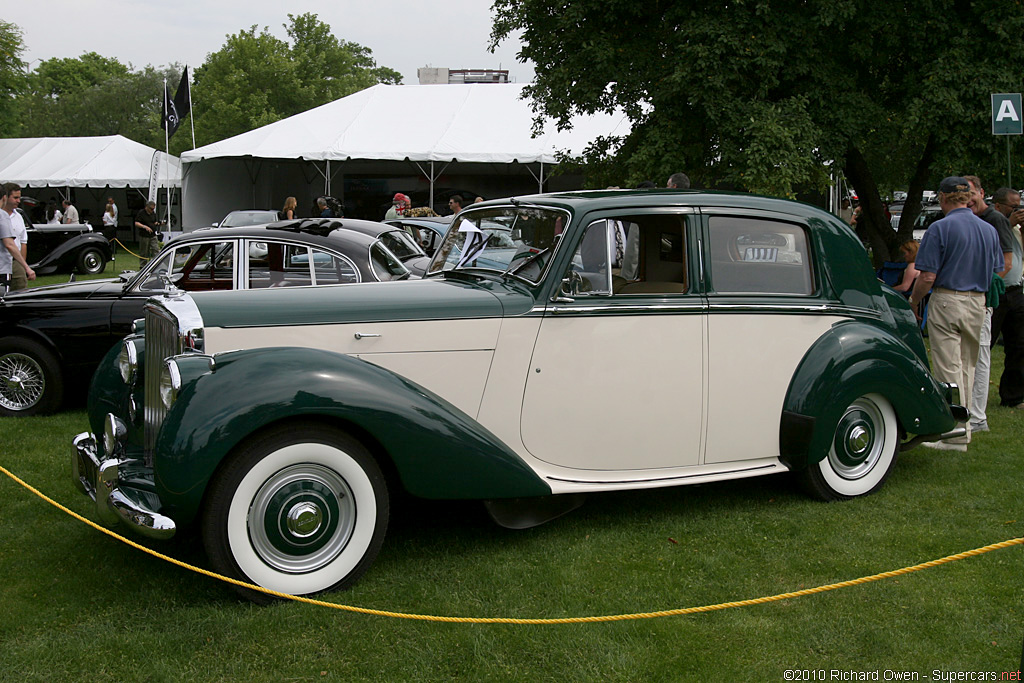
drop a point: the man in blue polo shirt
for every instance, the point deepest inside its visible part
(958, 255)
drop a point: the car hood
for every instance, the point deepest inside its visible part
(431, 299)
(70, 290)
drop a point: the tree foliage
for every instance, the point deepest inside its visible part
(765, 96)
(11, 75)
(94, 95)
(256, 78)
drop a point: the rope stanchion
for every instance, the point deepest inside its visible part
(537, 621)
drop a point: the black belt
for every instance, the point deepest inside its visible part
(1015, 288)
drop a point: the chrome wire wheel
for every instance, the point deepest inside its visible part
(22, 381)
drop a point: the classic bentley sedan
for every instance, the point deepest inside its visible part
(561, 345)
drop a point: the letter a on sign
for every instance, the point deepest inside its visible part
(1006, 114)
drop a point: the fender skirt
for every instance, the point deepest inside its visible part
(850, 360)
(438, 451)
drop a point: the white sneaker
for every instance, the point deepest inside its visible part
(979, 426)
(945, 446)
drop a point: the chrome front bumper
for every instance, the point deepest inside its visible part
(115, 503)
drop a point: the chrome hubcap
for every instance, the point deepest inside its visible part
(859, 440)
(21, 381)
(302, 518)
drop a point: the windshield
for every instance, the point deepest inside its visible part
(239, 218)
(510, 239)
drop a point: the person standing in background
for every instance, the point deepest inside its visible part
(70, 213)
(19, 279)
(958, 255)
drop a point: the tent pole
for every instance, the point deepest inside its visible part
(431, 204)
(327, 179)
(540, 187)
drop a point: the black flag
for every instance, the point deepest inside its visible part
(174, 111)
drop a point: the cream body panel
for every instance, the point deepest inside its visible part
(564, 480)
(502, 404)
(751, 360)
(449, 357)
(616, 392)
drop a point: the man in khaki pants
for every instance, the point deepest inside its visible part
(958, 255)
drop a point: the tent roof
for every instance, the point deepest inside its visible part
(110, 160)
(486, 123)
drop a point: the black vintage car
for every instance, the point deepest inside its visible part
(52, 338)
(59, 248)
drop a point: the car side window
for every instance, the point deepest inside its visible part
(631, 255)
(386, 265)
(329, 269)
(759, 256)
(194, 267)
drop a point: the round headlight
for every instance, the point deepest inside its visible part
(114, 432)
(170, 383)
(128, 361)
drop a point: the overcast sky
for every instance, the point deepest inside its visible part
(403, 34)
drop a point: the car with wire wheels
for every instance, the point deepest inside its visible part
(52, 338)
(66, 248)
(560, 346)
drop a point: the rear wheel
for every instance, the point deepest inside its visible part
(862, 453)
(300, 509)
(30, 378)
(91, 261)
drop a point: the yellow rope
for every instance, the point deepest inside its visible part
(127, 249)
(510, 620)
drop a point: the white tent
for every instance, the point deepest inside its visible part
(428, 126)
(96, 162)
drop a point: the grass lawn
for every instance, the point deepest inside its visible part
(79, 606)
(122, 261)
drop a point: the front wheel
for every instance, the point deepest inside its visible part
(30, 378)
(91, 262)
(862, 453)
(299, 510)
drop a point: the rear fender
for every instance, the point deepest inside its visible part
(437, 450)
(850, 360)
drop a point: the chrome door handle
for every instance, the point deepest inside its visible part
(360, 335)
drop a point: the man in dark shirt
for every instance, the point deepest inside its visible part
(1011, 255)
(958, 255)
(146, 223)
(1008, 319)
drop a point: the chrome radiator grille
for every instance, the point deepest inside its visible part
(173, 326)
(162, 341)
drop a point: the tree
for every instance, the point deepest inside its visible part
(94, 95)
(12, 72)
(766, 96)
(256, 78)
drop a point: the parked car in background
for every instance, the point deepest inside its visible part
(237, 219)
(52, 338)
(64, 248)
(735, 336)
(929, 214)
(427, 231)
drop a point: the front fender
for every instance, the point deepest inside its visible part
(850, 360)
(438, 451)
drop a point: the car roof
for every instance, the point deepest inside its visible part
(619, 199)
(328, 232)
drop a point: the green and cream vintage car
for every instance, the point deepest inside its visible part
(561, 345)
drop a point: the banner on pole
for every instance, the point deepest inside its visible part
(1006, 114)
(154, 176)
